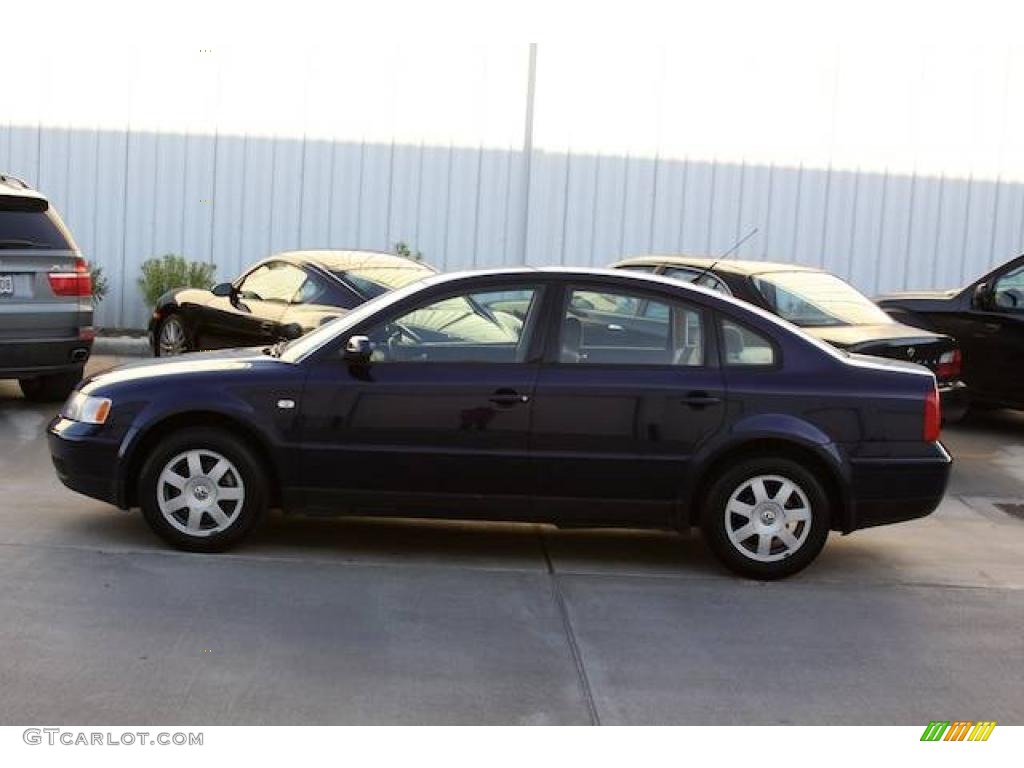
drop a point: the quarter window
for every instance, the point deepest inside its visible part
(603, 327)
(742, 346)
(480, 327)
(697, 277)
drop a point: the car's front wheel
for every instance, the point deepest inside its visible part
(52, 388)
(171, 338)
(202, 490)
(766, 518)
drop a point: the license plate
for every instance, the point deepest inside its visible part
(6, 285)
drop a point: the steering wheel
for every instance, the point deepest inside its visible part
(1008, 299)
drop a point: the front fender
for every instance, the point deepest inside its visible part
(201, 408)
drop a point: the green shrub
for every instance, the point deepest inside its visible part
(402, 249)
(169, 271)
(100, 285)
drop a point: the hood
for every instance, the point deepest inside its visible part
(898, 334)
(186, 365)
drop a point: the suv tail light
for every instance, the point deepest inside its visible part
(949, 364)
(77, 283)
(932, 415)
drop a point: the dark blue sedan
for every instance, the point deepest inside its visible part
(574, 397)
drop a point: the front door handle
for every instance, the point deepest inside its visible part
(699, 399)
(508, 397)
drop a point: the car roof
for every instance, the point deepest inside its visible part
(344, 260)
(12, 186)
(726, 265)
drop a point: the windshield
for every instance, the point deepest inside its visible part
(813, 299)
(373, 281)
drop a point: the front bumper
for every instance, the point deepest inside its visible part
(892, 490)
(85, 460)
(955, 401)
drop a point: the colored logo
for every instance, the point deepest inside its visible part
(958, 730)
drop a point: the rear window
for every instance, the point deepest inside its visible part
(31, 229)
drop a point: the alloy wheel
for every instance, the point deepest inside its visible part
(768, 518)
(172, 338)
(200, 492)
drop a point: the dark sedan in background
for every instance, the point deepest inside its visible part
(987, 320)
(575, 397)
(826, 307)
(281, 297)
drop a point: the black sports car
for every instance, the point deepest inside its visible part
(826, 307)
(279, 298)
(987, 320)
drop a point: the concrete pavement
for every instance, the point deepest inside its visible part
(395, 621)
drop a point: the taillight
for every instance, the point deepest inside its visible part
(77, 283)
(949, 365)
(932, 415)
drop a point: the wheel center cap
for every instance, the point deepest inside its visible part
(201, 492)
(770, 514)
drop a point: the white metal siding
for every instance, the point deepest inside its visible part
(214, 192)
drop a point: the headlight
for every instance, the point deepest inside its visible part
(86, 408)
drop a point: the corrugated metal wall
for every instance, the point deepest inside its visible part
(445, 171)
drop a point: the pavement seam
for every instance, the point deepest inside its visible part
(570, 634)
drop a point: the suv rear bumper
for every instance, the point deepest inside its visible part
(26, 358)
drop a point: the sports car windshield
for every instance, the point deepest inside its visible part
(373, 281)
(814, 299)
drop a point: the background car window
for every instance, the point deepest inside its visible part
(371, 281)
(1009, 291)
(461, 329)
(603, 327)
(815, 299)
(698, 277)
(649, 268)
(276, 281)
(310, 292)
(742, 346)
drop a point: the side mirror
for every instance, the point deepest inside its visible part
(358, 350)
(224, 290)
(981, 296)
(291, 331)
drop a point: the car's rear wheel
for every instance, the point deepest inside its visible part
(766, 518)
(51, 388)
(202, 489)
(171, 338)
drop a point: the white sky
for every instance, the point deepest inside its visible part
(904, 87)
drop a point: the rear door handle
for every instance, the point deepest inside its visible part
(991, 327)
(698, 400)
(508, 397)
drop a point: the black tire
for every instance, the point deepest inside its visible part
(52, 388)
(740, 557)
(250, 478)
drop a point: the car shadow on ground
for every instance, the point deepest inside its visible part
(402, 542)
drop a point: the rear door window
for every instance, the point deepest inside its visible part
(616, 328)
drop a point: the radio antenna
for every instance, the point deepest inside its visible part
(725, 255)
